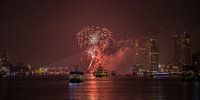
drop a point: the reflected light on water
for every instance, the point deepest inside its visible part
(73, 85)
(92, 92)
(72, 89)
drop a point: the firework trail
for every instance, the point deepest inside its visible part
(94, 42)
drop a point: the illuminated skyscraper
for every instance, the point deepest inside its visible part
(142, 52)
(4, 56)
(4, 63)
(186, 49)
(181, 49)
(176, 49)
(154, 53)
(196, 62)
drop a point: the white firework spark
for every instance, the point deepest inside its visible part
(94, 42)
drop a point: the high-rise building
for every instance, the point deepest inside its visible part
(4, 63)
(181, 49)
(176, 49)
(186, 49)
(5, 56)
(154, 53)
(196, 62)
(142, 52)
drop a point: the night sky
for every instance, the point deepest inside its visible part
(42, 31)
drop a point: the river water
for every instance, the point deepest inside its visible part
(117, 88)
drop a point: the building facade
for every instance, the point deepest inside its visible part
(196, 62)
(181, 49)
(4, 63)
(176, 49)
(154, 53)
(142, 52)
(186, 49)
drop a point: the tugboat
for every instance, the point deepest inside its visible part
(100, 72)
(76, 76)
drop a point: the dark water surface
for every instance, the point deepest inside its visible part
(99, 89)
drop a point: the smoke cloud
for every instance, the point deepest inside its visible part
(120, 61)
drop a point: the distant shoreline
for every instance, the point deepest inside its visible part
(65, 77)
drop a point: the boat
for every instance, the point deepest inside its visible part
(161, 75)
(100, 72)
(76, 76)
(113, 73)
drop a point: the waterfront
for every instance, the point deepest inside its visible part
(117, 88)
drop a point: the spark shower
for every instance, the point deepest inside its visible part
(94, 43)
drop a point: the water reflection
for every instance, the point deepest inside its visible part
(95, 89)
(99, 89)
(92, 90)
(196, 91)
(73, 90)
(158, 92)
(87, 90)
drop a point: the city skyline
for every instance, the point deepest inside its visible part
(99, 50)
(45, 32)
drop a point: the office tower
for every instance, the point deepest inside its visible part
(186, 48)
(142, 52)
(176, 49)
(154, 53)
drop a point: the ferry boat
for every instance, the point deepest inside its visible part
(100, 72)
(76, 76)
(161, 75)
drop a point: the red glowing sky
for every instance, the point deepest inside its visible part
(40, 32)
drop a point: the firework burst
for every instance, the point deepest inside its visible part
(94, 42)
